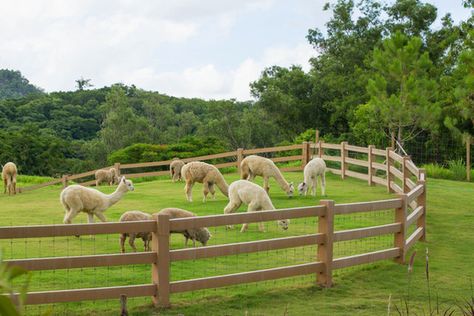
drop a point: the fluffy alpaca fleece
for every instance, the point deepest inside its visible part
(252, 166)
(9, 173)
(106, 175)
(206, 174)
(243, 191)
(201, 234)
(315, 168)
(77, 198)
(131, 216)
(175, 169)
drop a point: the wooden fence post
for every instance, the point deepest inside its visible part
(117, 168)
(400, 238)
(320, 149)
(306, 154)
(161, 268)
(240, 157)
(405, 172)
(64, 180)
(123, 305)
(468, 158)
(316, 140)
(421, 200)
(392, 140)
(325, 250)
(344, 153)
(370, 158)
(388, 164)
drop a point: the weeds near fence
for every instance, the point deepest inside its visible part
(455, 170)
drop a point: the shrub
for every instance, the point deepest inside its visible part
(458, 169)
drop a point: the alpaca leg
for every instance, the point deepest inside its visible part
(90, 218)
(4, 186)
(314, 186)
(186, 241)
(14, 187)
(231, 207)
(251, 176)
(188, 189)
(252, 207)
(212, 190)
(123, 237)
(131, 241)
(205, 189)
(323, 184)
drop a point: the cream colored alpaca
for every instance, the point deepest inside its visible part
(131, 216)
(9, 173)
(201, 234)
(243, 191)
(315, 168)
(252, 166)
(76, 198)
(206, 174)
(175, 169)
(106, 175)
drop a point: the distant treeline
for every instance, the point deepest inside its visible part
(385, 70)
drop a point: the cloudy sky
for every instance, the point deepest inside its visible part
(190, 48)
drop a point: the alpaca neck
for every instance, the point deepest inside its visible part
(281, 181)
(220, 181)
(116, 196)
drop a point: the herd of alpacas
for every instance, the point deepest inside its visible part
(78, 198)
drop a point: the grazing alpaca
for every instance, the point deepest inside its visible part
(9, 173)
(175, 169)
(252, 166)
(315, 168)
(76, 198)
(206, 174)
(243, 191)
(109, 176)
(201, 234)
(131, 216)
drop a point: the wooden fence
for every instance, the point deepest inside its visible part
(409, 207)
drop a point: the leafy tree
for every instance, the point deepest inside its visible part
(403, 95)
(14, 85)
(82, 83)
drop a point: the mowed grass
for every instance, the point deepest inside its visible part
(362, 290)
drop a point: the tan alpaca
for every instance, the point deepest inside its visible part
(9, 173)
(206, 174)
(131, 216)
(175, 169)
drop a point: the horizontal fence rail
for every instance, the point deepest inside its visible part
(376, 166)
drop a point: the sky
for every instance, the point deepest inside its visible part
(209, 49)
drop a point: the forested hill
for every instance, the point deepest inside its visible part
(378, 69)
(14, 85)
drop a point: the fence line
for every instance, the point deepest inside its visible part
(409, 208)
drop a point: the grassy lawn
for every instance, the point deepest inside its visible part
(362, 290)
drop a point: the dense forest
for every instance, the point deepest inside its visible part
(378, 69)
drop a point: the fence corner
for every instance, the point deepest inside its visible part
(400, 237)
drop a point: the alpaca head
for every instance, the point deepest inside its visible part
(200, 234)
(284, 223)
(291, 189)
(302, 188)
(126, 184)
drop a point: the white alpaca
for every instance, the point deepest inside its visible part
(243, 191)
(131, 216)
(9, 173)
(315, 168)
(175, 169)
(252, 166)
(77, 198)
(200, 234)
(109, 176)
(206, 174)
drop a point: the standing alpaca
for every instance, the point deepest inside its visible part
(316, 167)
(252, 166)
(175, 169)
(110, 176)
(146, 236)
(200, 234)
(9, 173)
(206, 174)
(243, 191)
(77, 198)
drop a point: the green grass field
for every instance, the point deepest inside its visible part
(362, 290)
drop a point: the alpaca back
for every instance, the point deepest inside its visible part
(249, 192)
(83, 199)
(9, 172)
(260, 166)
(196, 171)
(315, 167)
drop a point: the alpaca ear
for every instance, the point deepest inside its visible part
(122, 179)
